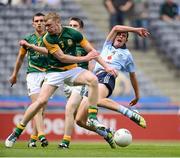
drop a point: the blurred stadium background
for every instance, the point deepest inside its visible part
(158, 70)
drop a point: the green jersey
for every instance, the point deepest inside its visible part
(37, 62)
(66, 41)
(81, 52)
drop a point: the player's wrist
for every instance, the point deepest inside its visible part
(32, 46)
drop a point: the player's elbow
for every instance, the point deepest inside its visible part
(116, 28)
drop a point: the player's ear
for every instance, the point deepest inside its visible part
(33, 24)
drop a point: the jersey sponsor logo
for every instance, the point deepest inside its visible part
(70, 42)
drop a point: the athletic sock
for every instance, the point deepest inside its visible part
(66, 140)
(19, 129)
(125, 111)
(41, 136)
(92, 112)
(33, 138)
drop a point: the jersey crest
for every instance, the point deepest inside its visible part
(109, 57)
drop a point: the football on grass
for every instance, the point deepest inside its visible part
(123, 137)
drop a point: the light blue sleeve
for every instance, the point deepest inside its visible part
(130, 67)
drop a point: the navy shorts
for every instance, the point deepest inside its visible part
(107, 79)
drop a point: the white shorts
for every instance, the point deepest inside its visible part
(69, 89)
(60, 78)
(34, 82)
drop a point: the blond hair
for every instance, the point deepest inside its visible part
(52, 15)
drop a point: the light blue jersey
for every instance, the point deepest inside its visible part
(120, 59)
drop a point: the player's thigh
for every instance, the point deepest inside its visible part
(103, 91)
(106, 84)
(85, 77)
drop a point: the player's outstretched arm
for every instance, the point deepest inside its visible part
(39, 49)
(74, 59)
(121, 28)
(19, 61)
(135, 87)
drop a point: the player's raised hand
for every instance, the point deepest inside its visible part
(142, 32)
(112, 71)
(133, 102)
(12, 80)
(24, 43)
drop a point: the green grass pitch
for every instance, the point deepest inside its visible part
(94, 149)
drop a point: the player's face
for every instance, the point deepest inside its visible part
(38, 23)
(52, 26)
(120, 39)
(74, 24)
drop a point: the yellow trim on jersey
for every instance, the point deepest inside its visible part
(22, 51)
(84, 42)
(38, 68)
(52, 48)
(69, 67)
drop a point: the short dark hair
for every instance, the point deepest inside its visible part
(127, 33)
(38, 14)
(80, 22)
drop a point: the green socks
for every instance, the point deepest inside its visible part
(92, 112)
(66, 140)
(19, 129)
(33, 138)
(41, 136)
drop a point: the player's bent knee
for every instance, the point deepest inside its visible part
(93, 81)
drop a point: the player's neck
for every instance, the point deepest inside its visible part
(40, 33)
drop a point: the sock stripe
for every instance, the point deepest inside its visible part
(34, 137)
(66, 137)
(92, 110)
(20, 127)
